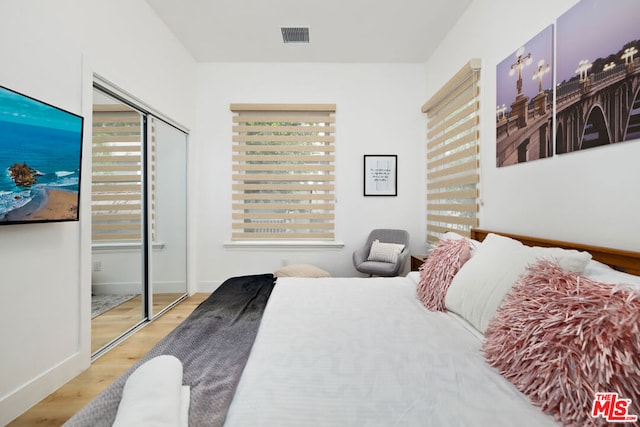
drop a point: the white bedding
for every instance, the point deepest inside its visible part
(365, 352)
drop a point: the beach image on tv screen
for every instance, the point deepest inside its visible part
(40, 152)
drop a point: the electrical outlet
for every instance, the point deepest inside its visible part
(97, 266)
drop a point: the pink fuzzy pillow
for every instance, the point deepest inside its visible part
(560, 338)
(437, 272)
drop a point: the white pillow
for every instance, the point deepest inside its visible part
(153, 395)
(478, 289)
(385, 252)
(603, 273)
(301, 270)
(567, 259)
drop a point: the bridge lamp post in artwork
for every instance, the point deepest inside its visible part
(500, 112)
(583, 71)
(628, 57)
(519, 106)
(540, 100)
(521, 62)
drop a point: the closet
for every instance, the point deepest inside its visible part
(139, 215)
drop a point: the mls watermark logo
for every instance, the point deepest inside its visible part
(612, 408)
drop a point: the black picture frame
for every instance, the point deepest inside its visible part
(380, 175)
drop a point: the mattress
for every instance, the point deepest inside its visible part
(365, 352)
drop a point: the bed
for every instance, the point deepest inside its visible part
(291, 351)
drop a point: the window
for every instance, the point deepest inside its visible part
(283, 172)
(453, 118)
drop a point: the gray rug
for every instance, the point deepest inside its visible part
(103, 303)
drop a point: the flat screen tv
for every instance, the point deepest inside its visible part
(40, 159)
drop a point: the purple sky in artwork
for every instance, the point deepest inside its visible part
(594, 29)
(541, 48)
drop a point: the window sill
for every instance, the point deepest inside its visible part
(282, 244)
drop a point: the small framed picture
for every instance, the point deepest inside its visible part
(380, 175)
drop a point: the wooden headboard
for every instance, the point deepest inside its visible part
(627, 261)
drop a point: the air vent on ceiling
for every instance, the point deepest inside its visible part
(295, 34)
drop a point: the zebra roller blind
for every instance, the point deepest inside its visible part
(283, 171)
(453, 119)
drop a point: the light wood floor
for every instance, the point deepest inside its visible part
(117, 321)
(59, 406)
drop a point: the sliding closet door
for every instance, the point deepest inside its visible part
(117, 201)
(167, 183)
(139, 218)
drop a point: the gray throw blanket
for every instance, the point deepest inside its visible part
(213, 344)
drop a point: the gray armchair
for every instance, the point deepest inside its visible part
(379, 268)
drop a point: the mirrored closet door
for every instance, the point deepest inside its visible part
(117, 221)
(139, 217)
(168, 209)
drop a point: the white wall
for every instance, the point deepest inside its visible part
(591, 196)
(49, 51)
(378, 112)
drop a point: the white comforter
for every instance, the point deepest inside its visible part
(365, 352)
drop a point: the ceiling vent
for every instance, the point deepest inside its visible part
(295, 34)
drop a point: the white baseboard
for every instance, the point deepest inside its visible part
(27, 395)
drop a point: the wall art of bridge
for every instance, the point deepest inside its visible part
(524, 137)
(602, 109)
